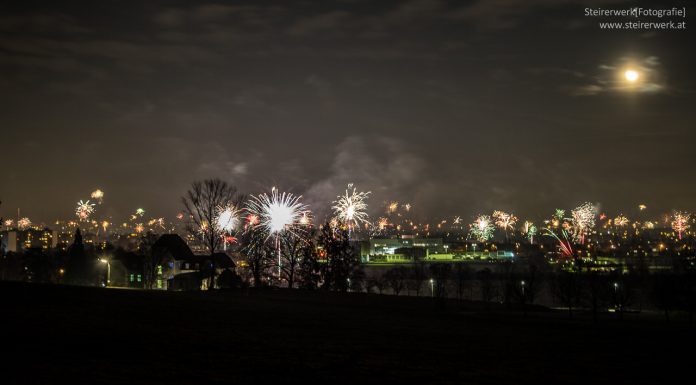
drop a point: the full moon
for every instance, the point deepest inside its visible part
(631, 75)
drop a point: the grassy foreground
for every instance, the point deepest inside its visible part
(61, 334)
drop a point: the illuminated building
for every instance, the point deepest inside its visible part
(20, 240)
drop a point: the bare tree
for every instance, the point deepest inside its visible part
(624, 291)
(665, 289)
(258, 252)
(485, 278)
(202, 203)
(567, 289)
(293, 248)
(378, 283)
(396, 278)
(341, 258)
(440, 273)
(463, 275)
(152, 259)
(418, 276)
(309, 268)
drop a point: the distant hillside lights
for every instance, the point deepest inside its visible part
(18, 240)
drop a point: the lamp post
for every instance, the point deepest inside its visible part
(432, 287)
(108, 271)
(524, 298)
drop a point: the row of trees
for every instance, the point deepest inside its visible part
(590, 291)
(320, 258)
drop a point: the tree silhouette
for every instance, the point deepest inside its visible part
(463, 274)
(340, 257)
(152, 258)
(309, 268)
(440, 273)
(292, 249)
(80, 267)
(485, 278)
(417, 277)
(258, 253)
(202, 203)
(396, 278)
(567, 289)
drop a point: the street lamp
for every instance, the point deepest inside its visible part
(108, 270)
(432, 287)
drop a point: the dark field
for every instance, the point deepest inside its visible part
(60, 334)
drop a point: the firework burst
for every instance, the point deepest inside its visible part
(251, 221)
(680, 222)
(505, 221)
(529, 230)
(24, 223)
(482, 228)
(564, 244)
(98, 195)
(621, 221)
(350, 207)
(227, 219)
(277, 212)
(306, 218)
(84, 210)
(583, 220)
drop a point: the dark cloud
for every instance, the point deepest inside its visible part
(458, 107)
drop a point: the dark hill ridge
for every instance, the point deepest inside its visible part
(62, 334)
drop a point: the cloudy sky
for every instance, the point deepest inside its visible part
(458, 107)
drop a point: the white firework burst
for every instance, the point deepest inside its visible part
(277, 212)
(228, 219)
(84, 210)
(350, 207)
(583, 219)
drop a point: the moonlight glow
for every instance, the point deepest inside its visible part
(631, 75)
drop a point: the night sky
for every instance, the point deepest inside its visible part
(457, 107)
